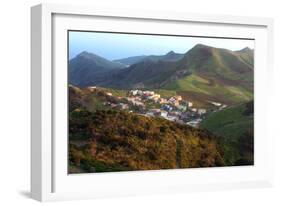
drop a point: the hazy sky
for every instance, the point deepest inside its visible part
(115, 46)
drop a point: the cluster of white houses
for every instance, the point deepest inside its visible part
(151, 104)
(173, 108)
(176, 101)
(146, 95)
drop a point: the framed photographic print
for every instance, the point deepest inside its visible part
(137, 102)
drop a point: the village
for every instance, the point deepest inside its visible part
(151, 104)
(172, 109)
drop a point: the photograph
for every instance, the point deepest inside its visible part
(158, 101)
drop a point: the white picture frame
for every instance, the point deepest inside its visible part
(49, 179)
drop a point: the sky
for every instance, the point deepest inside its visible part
(117, 46)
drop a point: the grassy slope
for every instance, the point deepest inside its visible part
(207, 90)
(165, 93)
(216, 75)
(230, 124)
(116, 92)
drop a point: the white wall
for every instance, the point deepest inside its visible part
(14, 103)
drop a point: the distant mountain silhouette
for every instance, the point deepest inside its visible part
(85, 65)
(170, 56)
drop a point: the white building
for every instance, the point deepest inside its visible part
(123, 106)
(155, 111)
(194, 109)
(215, 103)
(164, 113)
(139, 92)
(92, 88)
(194, 123)
(134, 92)
(178, 98)
(223, 106)
(189, 104)
(135, 101)
(162, 101)
(201, 111)
(171, 118)
(148, 93)
(181, 107)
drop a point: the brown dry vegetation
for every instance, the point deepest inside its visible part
(120, 141)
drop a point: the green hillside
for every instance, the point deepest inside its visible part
(221, 64)
(234, 125)
(202, 90)
(214, 74)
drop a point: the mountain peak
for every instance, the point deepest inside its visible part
(171, 53)
(85, 54)
(86, 64)
(201, 46)
(246, 49)
(199, 50)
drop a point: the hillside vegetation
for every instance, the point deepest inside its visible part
(235, 127)
(92, 101)
(116, 141)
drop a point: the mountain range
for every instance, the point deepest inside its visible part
(170, 56)
(202, 74)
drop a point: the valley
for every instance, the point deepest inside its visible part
(145, 112)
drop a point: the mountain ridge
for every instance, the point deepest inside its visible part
(209, 72)
(169, 56)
